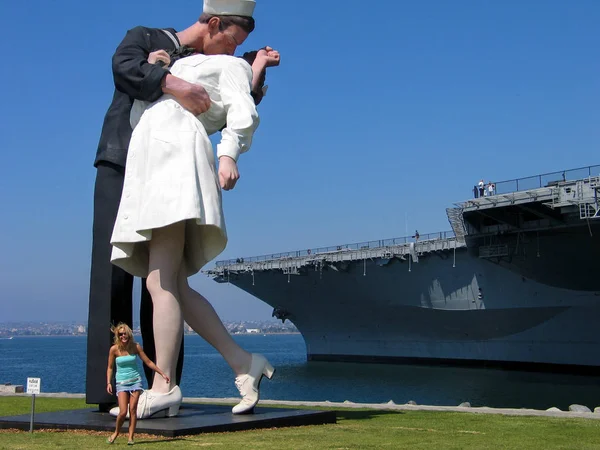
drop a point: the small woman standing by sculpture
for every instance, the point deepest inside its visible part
(124, 353)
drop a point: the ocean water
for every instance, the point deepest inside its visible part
(60, 363)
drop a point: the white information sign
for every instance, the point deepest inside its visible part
(33, 385)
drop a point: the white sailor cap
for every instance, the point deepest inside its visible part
(229, 7)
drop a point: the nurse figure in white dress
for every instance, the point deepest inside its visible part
(170, 221)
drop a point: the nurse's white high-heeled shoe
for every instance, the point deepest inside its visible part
(249, 384)
(152, 404)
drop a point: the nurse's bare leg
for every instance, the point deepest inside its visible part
(202, 317)
(166, 251)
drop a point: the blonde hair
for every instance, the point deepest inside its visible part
(116, 341)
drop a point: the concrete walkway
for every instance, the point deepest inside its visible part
(390, 406)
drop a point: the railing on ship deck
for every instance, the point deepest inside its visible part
(545, 179)
(338, 248)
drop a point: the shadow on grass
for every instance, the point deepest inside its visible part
(364, 414)
(158, 440)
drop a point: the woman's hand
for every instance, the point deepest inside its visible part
(270, 57)
(109, 388)
(228, 173)
(159, 55)
(166, 378)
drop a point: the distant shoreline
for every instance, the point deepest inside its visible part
(135, 334)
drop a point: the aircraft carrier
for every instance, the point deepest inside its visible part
(515, 284)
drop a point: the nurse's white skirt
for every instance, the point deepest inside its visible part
(170, 177)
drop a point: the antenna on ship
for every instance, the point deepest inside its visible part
(454, 261)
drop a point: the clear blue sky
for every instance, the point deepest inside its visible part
(375, 122)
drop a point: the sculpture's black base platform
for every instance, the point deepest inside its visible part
(192, 419)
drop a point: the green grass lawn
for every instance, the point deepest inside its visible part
(362, 429)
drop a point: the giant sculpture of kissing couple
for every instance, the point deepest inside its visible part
(157, 200)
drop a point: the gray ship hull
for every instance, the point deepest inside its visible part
(434, 312)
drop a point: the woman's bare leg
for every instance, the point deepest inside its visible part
(202, 317)
(166, 251)
(133, 402)
(123, 399)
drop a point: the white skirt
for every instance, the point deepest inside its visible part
(170, 176)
